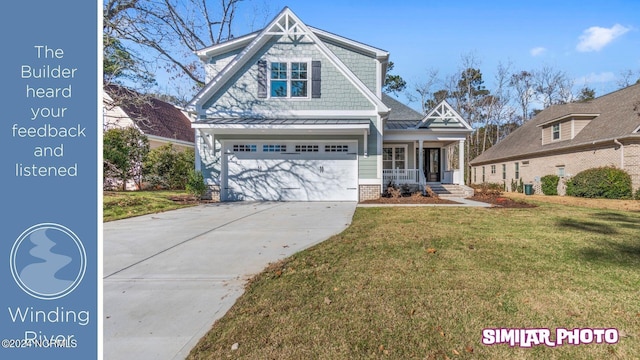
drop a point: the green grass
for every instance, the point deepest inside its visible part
(121, 205)
(379, 291)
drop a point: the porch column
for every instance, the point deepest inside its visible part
(461, 162)
(198, 138)
(420, 161)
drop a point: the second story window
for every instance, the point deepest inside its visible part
(289, 79)
(555, 132)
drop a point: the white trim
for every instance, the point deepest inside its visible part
(335, 129)
(559, 132)
(393, 155)
(439, 111)
(170, 140)
(227, 46)
(370, 182)
(571, 116)
(307, 114)
(198, 160)
(289, 79)
(378, 53)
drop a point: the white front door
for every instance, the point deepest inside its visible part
(291, 171)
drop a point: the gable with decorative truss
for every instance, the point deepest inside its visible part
(288, 25)
(246, 71)
(445, 117)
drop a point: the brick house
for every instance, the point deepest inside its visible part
(566, 139)
(292, 112)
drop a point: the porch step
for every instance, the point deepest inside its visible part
(451, 190)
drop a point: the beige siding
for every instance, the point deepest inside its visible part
(546, 135)
(565, 130)
(578, 125)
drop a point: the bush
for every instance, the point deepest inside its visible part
(603, 182)
(167, 167)
(195, 184)
(550, 184)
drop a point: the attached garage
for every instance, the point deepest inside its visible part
(290, 171)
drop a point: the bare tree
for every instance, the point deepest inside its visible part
(498, 109)
(628, 77)
(523, 85)
(425, 90)
(552, 86)
(167, 32)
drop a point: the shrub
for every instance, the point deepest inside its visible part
(637, 194)
(550, 184)
(520, 187)
(167, 167)
(603, 182)
(195, 184)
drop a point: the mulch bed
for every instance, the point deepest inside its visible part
(499, 201)
(415, 198)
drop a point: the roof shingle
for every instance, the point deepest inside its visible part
(618, 115)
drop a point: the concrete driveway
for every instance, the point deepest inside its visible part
(169, 276)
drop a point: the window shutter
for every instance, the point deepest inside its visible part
(262, 79)
(316, 76)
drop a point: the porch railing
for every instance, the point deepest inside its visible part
(401, 176)
(413, 176)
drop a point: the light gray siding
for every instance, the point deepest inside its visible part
(240, 95)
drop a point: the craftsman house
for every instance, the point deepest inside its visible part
(566, 139)
(293, 112)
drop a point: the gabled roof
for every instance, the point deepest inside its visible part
(400, 111)
(443, 116)
(402, 117)
(286, 23)
(152, 116)
(614, 116)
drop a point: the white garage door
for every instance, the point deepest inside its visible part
(290, 171)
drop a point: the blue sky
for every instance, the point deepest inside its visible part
(592, 41)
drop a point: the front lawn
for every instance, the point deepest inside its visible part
(124, 204)
(422, 283)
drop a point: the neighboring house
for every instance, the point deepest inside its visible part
(293, 112)
(566, 139)
(162, 123)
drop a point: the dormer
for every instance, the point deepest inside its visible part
(565, 127)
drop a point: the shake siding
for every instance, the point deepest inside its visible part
(364, 67)
(239, 96)
(217, 63)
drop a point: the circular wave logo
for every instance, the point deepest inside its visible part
(48, 261)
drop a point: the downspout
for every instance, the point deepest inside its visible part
(621, 153)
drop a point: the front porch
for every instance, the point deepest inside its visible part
(421, 163)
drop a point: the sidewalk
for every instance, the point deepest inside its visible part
(461, 201)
